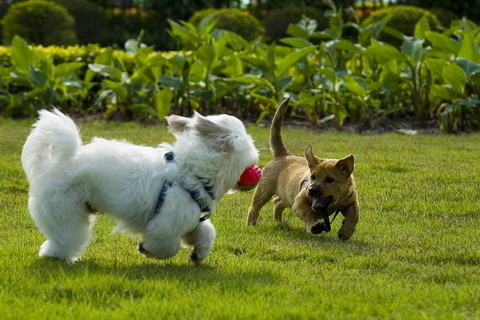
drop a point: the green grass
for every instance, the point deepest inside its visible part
(415, 254)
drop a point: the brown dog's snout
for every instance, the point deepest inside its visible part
(315, 191)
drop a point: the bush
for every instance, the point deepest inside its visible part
(444, 16)
(39, 22)
(90, 20)
(235, 20)
(404, 19)
(276, 23)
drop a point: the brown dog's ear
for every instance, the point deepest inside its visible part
(216, 135)
(177, 124)
(312, 161)
(346, 165)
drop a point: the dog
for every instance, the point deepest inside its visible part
(313, 187)
(159, 192)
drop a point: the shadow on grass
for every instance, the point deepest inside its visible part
(325, 240)
(199, 275)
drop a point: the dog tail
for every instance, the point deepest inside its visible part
(52, 143)
(276, 142)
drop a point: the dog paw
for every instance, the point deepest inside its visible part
(344, 235)
(195, 257)
(318, 228)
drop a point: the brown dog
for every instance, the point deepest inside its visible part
(313, 187)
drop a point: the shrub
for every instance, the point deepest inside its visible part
(403, 19)
(235, 20)
(444, 16)
(90, 20)
(39, 22)
(276, 23)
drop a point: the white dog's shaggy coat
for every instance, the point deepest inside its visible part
(68, 180)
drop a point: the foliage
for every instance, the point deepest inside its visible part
(90, 20)
(431, 75)
(276, 22)
(239, 21)
(39, 22)
(468, 8)
(402, 19)
(445, 16)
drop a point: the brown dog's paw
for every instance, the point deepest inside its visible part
(344, 234)
(318, 228)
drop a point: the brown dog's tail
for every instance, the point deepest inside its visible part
(276, 143)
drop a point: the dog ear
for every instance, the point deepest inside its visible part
(346, 165)
(177, 124)
(312, 161)
(216, 135)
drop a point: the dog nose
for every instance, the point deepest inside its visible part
(315, 192)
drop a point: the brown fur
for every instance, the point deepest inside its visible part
(282, 179)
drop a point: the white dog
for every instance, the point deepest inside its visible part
(158, 192)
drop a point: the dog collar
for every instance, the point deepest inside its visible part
(195, 194)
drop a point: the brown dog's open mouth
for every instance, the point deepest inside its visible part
(321, 204)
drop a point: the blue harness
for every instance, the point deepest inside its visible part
(194, 194)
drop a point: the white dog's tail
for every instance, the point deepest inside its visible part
(52, 143)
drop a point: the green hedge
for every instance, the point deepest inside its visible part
(39, 22)
(276, 23)
(91, 24)
(235, 20)
(403, 19)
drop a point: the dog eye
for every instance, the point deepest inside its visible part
(313, 177)
(329, 180)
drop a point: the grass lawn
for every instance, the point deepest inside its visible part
(415, 254)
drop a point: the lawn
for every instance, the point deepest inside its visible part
(415, 254)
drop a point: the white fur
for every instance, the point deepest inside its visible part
(123, 180)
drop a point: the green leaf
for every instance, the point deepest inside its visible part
(296, 31)
(182, 33)
(384, 52)
(421, 27)
(470, 68)
(455, 76)
(296, 42)
(354, 87)
(251, 79)
(413, 47)
(172, 82)
(37, 76)
(289, 60)
(330, 74)
(206, 53)
(117, 88)
(283, 83)
(107, 71)
(67, 69)
(163, 102)
(469, 48)
(348, 46)
(442, 42)
(22, 55)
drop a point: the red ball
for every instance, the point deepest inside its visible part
(251, 175)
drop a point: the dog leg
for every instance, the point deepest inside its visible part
(263, 193)
(304, 211)
(201, 239)
(66, 225)
(352, 215)
(159, 242)
(279, 207)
